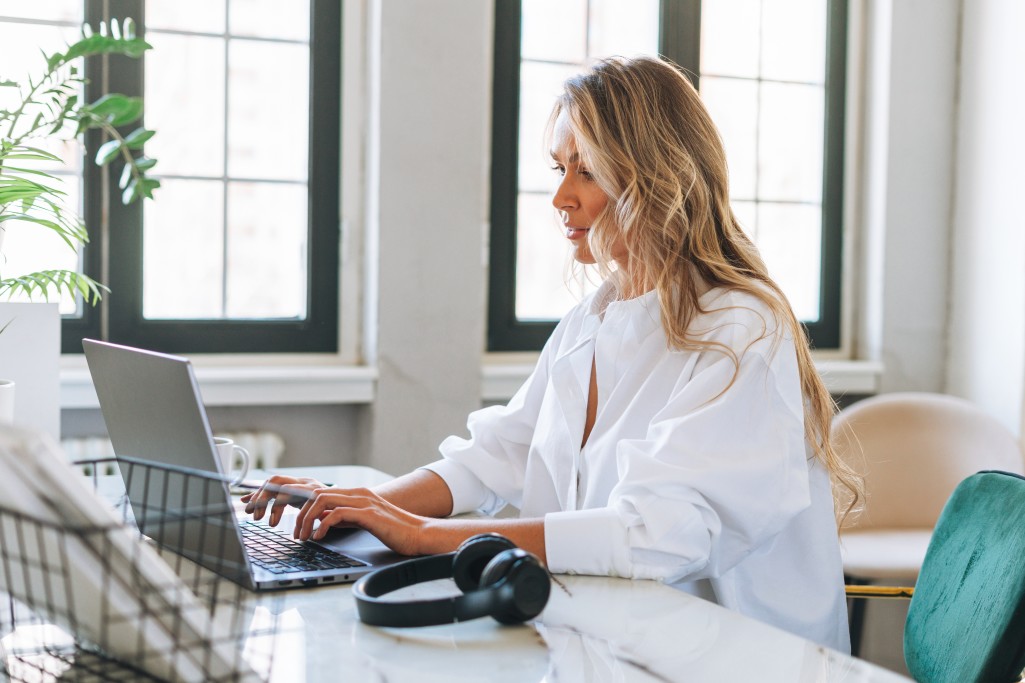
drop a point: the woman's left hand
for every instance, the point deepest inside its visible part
(400, 530)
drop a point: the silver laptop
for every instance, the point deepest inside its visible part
(155, 416)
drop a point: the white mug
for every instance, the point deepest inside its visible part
(227, 450)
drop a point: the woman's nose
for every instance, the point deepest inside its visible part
(564, 199)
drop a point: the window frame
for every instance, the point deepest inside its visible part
(679, 41)
(115, 252)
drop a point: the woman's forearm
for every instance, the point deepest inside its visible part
(421, 492)
(424, 493)
(446, 535)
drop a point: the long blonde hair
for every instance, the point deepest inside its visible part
(645, 136)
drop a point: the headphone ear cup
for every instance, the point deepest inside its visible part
(473, 556)
(523, 584)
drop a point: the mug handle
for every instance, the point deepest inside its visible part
(245, 464)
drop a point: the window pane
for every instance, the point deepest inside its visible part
(546, 284)
(730, 37)
(555, 31)
(268, 110)
(185, 104)
(251, 261)
(790, 142)
(747, 215)
(184, 251)
(794, 40)
(790, 239)
(566, 33)
(270, 19)
(29, 248)
(45, 10)
(733, 104)
(267, 227)
(540, 84)
(200, 16)
(623, 28)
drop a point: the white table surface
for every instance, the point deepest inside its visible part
(593, 629)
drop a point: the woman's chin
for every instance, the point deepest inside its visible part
(583, 255)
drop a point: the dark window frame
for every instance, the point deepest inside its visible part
(679, 40)
(114, 255)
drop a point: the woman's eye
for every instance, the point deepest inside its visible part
(561, 170)
(586, 174)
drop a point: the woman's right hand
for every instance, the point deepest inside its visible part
(277, 492)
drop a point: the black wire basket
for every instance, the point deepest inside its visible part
(130, 592)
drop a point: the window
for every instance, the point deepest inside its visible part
(772, 75)
(239, 250)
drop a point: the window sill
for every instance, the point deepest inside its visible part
(503, 374)
(308, 384)
(251, 384)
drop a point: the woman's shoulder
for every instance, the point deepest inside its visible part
(738, 317)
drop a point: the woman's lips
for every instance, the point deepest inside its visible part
(576, 233)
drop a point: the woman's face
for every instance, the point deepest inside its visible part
(578, 197)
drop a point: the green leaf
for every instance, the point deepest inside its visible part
(145, 163)
(148, 185)
(138, 137)
(30, 171)
(115, 109)
(30, 153)
(126, 175)
(44, 281)
(9, 195)
(107, 152)
(131, 192)
(139, 187)
(100, 43)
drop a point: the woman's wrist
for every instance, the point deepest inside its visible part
(439, 536)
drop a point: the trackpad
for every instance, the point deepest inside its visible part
(361, 545)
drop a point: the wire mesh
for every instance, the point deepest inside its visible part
(158, 592)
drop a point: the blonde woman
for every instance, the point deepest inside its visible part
(675, 427)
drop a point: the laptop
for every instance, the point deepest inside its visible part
(155, 416)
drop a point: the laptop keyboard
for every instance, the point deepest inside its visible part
(277, 552)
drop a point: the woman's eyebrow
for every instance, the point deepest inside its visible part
(573, 158)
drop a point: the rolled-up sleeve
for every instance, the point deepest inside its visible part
(487, 470)
(469, 494)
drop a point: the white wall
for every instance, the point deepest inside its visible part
(987, 323)
(430, 102)
(908, 114)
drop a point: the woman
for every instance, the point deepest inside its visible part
(675, 427)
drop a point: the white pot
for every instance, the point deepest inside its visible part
(6, 401)
(30, 356)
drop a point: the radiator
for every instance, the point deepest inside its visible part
(265, 448)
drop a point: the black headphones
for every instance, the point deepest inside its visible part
(497, 579)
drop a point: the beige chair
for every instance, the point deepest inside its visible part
(913, 449)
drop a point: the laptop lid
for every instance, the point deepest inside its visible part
(150, 402)
(153, 410)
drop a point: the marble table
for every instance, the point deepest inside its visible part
(593, 629)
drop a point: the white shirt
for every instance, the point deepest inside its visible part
(692, 474)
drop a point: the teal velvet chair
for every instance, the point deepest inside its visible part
(966, 620)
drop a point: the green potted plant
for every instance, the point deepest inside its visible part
(49, 105)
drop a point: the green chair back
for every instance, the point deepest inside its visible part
(966, 621)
